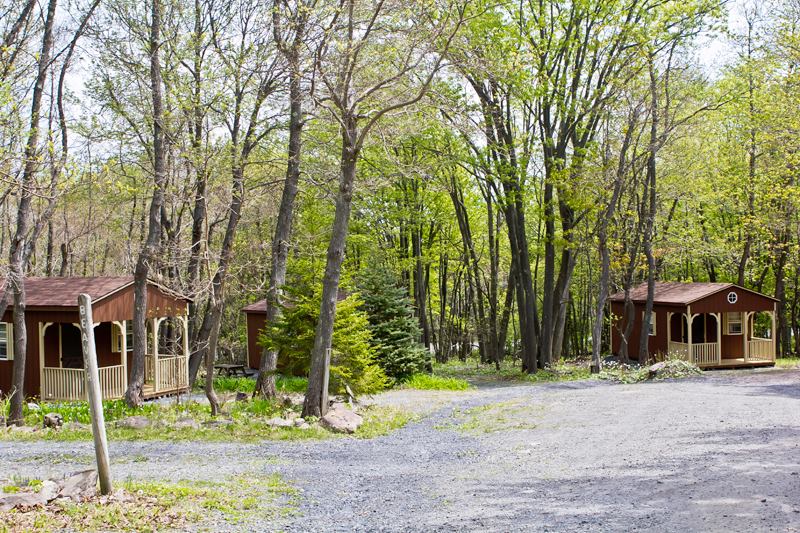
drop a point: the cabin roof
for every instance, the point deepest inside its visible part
(64, 292)
(256, 307)
(678, 293)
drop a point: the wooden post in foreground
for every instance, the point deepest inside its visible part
(95, 396)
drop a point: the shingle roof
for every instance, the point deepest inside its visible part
(676, 293)
(64, 292)
(257, 307)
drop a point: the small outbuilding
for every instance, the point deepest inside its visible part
(710, 324)
(256, 318)
(54, 359)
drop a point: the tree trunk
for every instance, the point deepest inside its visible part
(20, 245)
(316, 401)
(147, 256)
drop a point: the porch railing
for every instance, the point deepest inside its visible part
(63, 384)
(760, 349)
(69, 384)
(705, 353)
(173, 373)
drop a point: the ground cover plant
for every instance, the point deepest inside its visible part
(138, 505)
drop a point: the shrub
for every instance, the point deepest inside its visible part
(394, 328)
(430, 382)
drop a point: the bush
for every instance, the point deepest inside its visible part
(353, 357)
(394, 328)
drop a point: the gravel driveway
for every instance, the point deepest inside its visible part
(717, 453)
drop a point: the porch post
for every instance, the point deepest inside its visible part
(669, 332)
(155, 354)
(689, 320)
(745, 328)
(185, 320)
(773, 332)
(719, 337)
(41, 362)
(123, 325)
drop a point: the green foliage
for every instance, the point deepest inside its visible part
(423, 381)
(395, 331)
(248, 385)
(353, 357)
(673, 368)
(380, 421)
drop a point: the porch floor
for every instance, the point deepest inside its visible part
(149, 392)
(738, 363)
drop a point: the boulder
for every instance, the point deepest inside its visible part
(53, 420)
(340, 419)
(280, 423)
(76, 426)
(79, 486)
(656, 369)
(134, 422)
(186, 423)
(242, 396)
(218, 422)
(299, 422)
(22, 429)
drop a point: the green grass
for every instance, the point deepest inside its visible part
(380, 421)
(246, 384)
(159, 505)
(787, 362)
(510, 415)
(434, 382)
(241, 422)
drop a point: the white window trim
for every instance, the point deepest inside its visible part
(653, 331)
(9, 342)
(729, 321)
(116, 338)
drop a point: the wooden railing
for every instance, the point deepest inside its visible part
(679, 349)
(173, 373)
(705, 353)
(66, 384)
(149, 368)
(760, 349)
(113, 382)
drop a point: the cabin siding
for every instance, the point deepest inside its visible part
(255, 324)
(746, 301)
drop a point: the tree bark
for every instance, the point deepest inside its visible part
(148, 253)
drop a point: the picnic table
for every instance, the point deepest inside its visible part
(230, 369)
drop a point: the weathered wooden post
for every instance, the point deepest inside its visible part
(94, 393)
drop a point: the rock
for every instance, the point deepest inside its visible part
(656, 369)
(340, 419)
(186, 423)
(22, 429)
(79, 486)
(304, 425)
(34, 407)
(287, 401)
(134, 422)
(48, 491)
(53, 420)
(218, 422)
(280, 423)
(76, 426)
(299, 422)
(242, 396)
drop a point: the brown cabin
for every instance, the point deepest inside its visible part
(711, 324)
(256, 315)
(54, 359)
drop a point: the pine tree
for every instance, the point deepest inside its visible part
(395, 331)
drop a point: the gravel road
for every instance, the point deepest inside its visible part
(716, 453)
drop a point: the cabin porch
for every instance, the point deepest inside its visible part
(61, 359)
(719, 340)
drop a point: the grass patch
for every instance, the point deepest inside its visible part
(246, 421)
(283, 384)
(380, 421)
(787, 362)
(159, 505)
(490, 418)
(434, 382)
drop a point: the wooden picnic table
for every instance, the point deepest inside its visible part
(230, 369)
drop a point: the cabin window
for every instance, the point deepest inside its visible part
(652, 329)
(116, 338)
(6, 342)
(734, 321)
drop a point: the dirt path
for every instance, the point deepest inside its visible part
(717, 453)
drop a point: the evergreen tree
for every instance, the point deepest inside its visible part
(395, 331)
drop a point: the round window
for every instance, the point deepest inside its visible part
(732, 297)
